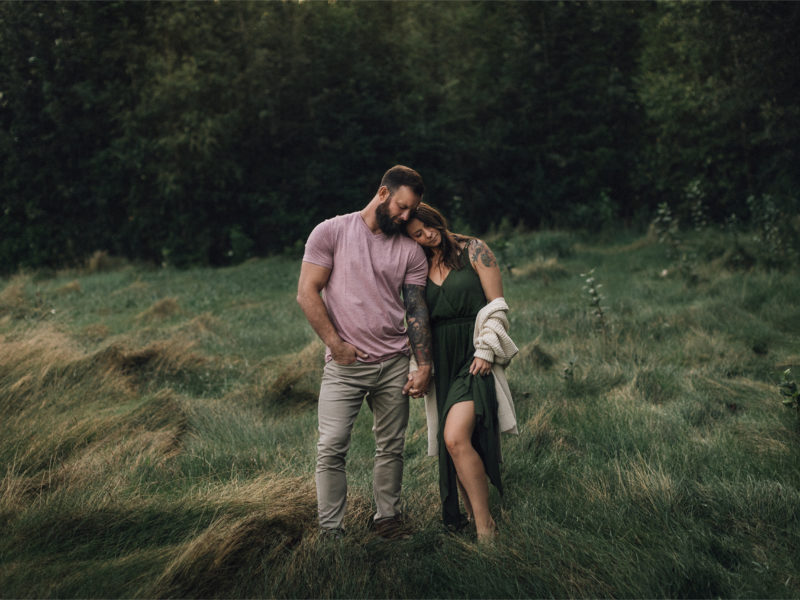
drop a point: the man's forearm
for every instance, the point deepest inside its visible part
(419, 327)
(317, 314)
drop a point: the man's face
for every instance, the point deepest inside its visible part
(396, 209)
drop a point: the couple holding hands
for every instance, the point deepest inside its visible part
(381, 283)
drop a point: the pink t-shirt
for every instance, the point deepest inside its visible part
(368, 271)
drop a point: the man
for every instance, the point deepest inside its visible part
(360, 262)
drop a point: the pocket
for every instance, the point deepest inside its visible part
(353, 374)
(338, 364)
(339, 369)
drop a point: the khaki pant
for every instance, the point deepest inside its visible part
(341, 394)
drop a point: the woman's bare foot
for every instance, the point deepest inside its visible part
(487, 533)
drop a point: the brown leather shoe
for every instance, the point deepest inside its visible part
(392, 528)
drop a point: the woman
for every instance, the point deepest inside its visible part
(470, 343)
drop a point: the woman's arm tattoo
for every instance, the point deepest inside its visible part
(479, 251)
(419, 326)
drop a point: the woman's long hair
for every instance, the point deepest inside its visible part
(449, 241)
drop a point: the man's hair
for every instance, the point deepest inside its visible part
(399, 176)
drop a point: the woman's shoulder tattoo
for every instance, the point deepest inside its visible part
(479, 252)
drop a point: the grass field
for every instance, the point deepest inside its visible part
(158, 435)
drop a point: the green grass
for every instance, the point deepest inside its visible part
(159, 435)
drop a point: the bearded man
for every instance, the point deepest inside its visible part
(360, 279)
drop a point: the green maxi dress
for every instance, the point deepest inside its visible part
(453, 306)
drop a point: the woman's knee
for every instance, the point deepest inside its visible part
(456, 442)
(458, 428)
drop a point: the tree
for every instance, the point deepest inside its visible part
(715, 83)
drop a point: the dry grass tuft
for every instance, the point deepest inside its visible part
(701, 347)
(162, 309)
(73, 287)
(763, 443)
(101, 443)
(29, 364)
(44, 376)
(540, 423)
(790, 362)
(597, 490)
(109, 466)
(15, 491)
(360, 512)
(101, 262)
(654, 385)
(137, 287)
(48, 452)
(235, 548)
(297, 383)
(201, 327)
(736, 257)
(95, 333)
(647, 485)
(545, 269)
(534, 355)
(643, 242)
(544, 435)
(98, 452)
(46, 367)
(13, 299)
(166, 416)
(164, 358)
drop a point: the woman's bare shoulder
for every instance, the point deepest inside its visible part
(480, 253)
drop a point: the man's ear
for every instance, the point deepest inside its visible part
(383, 193)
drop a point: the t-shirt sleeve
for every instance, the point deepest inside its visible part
(417, 272)
(319, 246)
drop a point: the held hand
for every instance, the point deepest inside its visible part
(480, 367)
(408, 388)
(418, 382)
(346, 354)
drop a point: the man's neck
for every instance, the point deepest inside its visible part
(369, 217)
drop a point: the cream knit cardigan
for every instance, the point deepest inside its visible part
(492, 344)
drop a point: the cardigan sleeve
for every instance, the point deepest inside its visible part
(490, 337)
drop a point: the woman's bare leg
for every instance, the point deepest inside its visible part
(458, 430)
(465, 499)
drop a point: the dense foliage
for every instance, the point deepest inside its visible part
(186, 133)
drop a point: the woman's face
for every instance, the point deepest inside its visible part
(424, 235)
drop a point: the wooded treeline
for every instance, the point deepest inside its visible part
(188, 133)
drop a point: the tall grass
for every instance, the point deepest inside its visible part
(159, 433)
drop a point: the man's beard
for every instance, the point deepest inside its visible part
(385, 222)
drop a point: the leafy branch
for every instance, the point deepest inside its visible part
(592, 288)
(790, 390)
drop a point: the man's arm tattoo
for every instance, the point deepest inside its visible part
(479, 251)
(419, 326)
